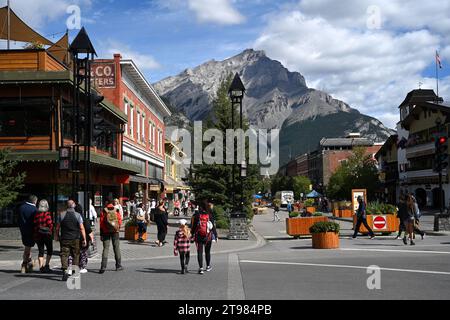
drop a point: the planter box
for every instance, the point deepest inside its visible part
(132, 234)
(336, 213)
(329, 240)
(392, 225)
(297, 227)
(345, 213)
(311, 210)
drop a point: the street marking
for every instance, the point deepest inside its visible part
(343, 267)
(235, 289)
(396, 251)
(14, 284)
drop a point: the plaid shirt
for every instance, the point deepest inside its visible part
(181, 242)
(42, 219)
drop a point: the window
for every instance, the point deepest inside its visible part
(126, 112)
(138, 122)
(150, 130)
(131, 121)
(143, 129)
(27, 117)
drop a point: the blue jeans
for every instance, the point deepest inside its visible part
(142, 228)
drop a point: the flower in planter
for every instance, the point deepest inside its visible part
(324, 227)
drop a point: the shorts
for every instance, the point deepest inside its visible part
(28, 241)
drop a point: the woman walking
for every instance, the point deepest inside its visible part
(402, 216)
(276, 210)
(161, 220)
(409, 223)
(43, 235)
(182, 245)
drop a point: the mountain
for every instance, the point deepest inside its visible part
(275, 98)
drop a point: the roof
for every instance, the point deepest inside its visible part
(345, 142)
(53, 156)
(145, 87)
(82, 43)
(420, 95)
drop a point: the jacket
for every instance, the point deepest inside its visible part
(181, 243)
(104, 229)
(27, 211)
(361, 212)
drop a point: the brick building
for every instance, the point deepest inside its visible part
(123, 83)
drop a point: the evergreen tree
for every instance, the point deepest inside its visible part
(9, 183)
(214, 181)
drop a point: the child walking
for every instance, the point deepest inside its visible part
(182, 245)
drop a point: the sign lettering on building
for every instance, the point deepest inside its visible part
(104, 74)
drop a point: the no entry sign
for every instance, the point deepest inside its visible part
(380, 223)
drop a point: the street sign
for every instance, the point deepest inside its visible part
(379, 223)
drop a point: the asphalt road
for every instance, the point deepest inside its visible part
(281, 269)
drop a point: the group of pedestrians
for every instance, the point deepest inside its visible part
(409, 216)
(75, 234)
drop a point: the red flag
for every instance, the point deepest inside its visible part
(438, 60)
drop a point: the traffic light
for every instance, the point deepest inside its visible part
(97, 119)
(441, 153)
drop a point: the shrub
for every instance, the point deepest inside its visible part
(294, 214)
(323, 227)
(309, 203)
(318, 214)
(131, 223)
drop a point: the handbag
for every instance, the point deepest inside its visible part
(45, 231)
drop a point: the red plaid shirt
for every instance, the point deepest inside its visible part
(42, 219)
(181, 242)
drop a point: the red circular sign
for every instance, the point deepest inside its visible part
(379, 222)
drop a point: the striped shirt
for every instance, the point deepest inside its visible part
(181, 242)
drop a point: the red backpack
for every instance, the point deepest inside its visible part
(203, 220)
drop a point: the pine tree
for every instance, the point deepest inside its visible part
(9, 183)
(215, 181)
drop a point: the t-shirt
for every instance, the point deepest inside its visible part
(70, 224)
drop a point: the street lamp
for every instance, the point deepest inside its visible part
(238, 220)
(82, 45)
(441, 209)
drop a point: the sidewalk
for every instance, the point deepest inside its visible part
(11, 250)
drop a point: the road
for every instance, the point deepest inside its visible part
(282, 268)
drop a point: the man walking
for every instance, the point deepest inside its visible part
(362, 219)
(110, 223)
(27, 211)
(71, 225)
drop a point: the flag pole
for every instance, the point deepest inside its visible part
(437, 74)
(9, 24)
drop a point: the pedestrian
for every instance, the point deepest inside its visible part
(43, 235)
(69, 230)
(276, 210)
(361, 215)
(110, 223)
(417, 218)
(142, 221)
(403, 216)
(27, 211)
(92, 213)
(177, 208)
(204, 233)
(186, 208)
(182, 245)
(161, 220)
(289, 206)
(119, 207)
(84, 250)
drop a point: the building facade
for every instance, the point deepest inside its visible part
(144, 140)
(387, 159)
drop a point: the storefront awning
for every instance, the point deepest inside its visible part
(142, 179)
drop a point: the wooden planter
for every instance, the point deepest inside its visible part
(132, 234)
(393, 224)
(297, 227)
(345, 213)
(329, 240)
(311, 210)
(336, 213)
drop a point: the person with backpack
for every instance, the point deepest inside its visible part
(182, 245)
(110, 223)
(204, 233)
(43, 235)
(71, 225)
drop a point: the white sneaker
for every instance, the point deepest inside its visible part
(208, 269)
(83, 271)
(69, 272)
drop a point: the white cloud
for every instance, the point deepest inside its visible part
(373, 70)
(145, 62)
(37, 13)
(216, 11)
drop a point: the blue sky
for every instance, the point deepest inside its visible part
(368, 53)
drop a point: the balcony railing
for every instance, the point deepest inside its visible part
(420, 150)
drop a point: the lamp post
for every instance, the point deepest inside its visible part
(82, 121)
(238, 218)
